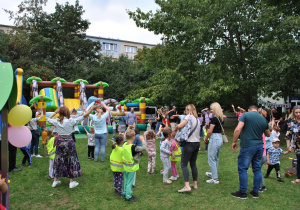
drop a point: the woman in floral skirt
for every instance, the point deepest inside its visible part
(66, 163)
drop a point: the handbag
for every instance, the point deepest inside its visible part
(224, 137)
(38, 132)
(185, 132)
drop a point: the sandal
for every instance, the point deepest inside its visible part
(296, 181)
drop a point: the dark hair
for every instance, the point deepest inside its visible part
(167, 131)
(253, 107)
(150, 135)
(33, 113)
(137, 131)
(43, 127)
(119, 139)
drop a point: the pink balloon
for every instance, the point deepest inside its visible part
(19, 136)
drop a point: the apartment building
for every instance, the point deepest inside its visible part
(109, 47)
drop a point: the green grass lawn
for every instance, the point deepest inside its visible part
(31, 188)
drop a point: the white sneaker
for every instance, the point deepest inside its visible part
(38, 156)
(212, 181)
(55, 183)
(208, 174)
(173, 178)
(73, 184)
(177, 176)
(32, 155)
(168, 181)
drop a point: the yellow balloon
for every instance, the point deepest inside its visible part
(19, 115)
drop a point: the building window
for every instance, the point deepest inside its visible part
(130, 49)
(109, 46)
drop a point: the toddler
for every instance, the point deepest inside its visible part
(114, 125)
(165, 153)
(91, 142)
(44, 136)
(50, 139)
(151, 150)
(149, 125)
(273, 159)
(176, 156)
(116, 164)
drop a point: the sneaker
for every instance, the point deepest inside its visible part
(185, 189)
(168, 181)
(49, 177)
(254, 194)
(29, 165)
(132, 199)
(161, 171)
(208, 174)
(15, 170)
(38, 156)
(262, 189)
(266, 176)
(55, 183)
(173, 178)
(89, 158)
(279, 180)
(122, 193)
(212, 181)
(73, 184)
(177, 176)
(23, 164)
(194, 186)
(240, 195)
(32, 155)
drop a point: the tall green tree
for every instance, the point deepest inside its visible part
(57, 40)
(213, 46)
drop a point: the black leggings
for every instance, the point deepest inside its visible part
(189, 154)
(91, 151)
(26, 156)
(277, 169)
(298, 166)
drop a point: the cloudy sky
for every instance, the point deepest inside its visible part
(108, 17)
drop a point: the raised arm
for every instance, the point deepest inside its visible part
(233, 108)
(90, 110)
(85, 130)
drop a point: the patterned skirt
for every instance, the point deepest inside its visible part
(66, 163)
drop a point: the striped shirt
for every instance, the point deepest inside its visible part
(33, 123)
(67, 127)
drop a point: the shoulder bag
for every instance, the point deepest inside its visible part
(224, 137)
(184, 133)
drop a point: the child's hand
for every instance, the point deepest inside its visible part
(268, 162)
(111, 140)
(170, 153)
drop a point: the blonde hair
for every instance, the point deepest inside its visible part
(217, 110)
(159, 110)
(192, 110)
(293, 115)
(130, 134)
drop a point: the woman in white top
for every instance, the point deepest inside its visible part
(190, 150)
(66, 162)
(34, 132)
(99, 120)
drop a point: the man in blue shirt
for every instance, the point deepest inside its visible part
(251, 127)
(131, 117)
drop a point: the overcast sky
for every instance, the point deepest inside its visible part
(108, 17)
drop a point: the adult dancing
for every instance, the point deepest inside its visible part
(294, 137)
(190, 150)
(215, 142)
(251, 127)
(66, 163)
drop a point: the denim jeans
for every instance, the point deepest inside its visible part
(249, 155)
(100, 140)
(157, 126)
(214, 147)
(34, 143)
(263, 161)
